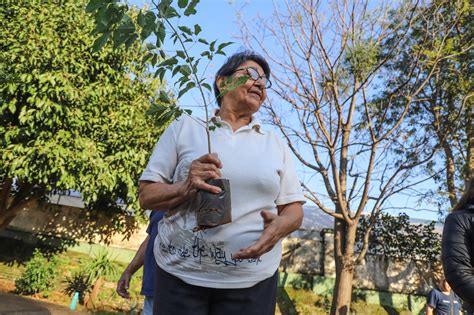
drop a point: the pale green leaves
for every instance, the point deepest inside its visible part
(362, 57)
(231, 83)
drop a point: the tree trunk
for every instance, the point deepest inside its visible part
(450, 173)
(9, 214)
(341, 301)
(11, 205)
(344, 241)
(95, 292)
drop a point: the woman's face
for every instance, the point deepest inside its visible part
(248, 97)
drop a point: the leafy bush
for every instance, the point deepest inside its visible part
(398, 237)
(101, 265)
(79, 282)
(38, 276)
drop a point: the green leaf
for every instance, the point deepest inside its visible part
(130, 40)
(154, 60)
(93, 5)
(186, 30)
(160, 73)
(163, 97)
(189, 86)
(12, 107)
(175, 70)
(185, 70)
(160, 32)
(191, 9)
(147, 57)
(207, 86)
(141, 20)
(181, 54)
(169, 62)
(182, 3)
(100, 42)
(223, 45)
(197, 29)
(212, 45)
(202, 40)
(232, 83)
(171, 13)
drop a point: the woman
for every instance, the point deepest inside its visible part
(458, 247)
(232, 268)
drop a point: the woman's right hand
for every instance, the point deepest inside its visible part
(206, 167)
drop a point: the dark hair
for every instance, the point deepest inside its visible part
(233, 62)
(468, 196)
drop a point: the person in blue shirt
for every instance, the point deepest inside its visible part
(144, 257)
(443, 301)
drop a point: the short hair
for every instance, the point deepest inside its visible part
(233, 62)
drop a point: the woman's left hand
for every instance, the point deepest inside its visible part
(275, 227)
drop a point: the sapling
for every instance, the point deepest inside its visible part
(114, 21)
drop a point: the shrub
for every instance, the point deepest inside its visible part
(79, 282)
(101, 265)
(38, 275)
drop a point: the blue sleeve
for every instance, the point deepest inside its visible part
(148, 229)
(155, 217)
(432, 299)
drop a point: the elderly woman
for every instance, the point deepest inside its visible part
(232, 268)
(458, 247)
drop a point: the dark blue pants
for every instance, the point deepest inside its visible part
(175, 297)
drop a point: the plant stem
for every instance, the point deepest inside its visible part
(196, 79)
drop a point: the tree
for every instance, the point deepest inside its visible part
(326, 76)
(72, 119)
(397, 237)
(441, 113)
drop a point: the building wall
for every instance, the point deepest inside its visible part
(71, 223)
(315, 257)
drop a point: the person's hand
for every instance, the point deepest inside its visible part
(206, 167)
(273, 231)
(123, 284)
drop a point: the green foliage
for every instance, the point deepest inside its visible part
(398, 238)
(361, 58)
(114, 22)
(72, 119)
(39, 273)
(78, 282)
(101, 265)
(438, 118)
(231, 83)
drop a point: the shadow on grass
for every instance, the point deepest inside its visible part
(285, 303)
(17, 251)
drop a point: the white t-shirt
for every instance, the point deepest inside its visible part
(262, 175)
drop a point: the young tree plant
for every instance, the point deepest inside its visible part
(155, 26)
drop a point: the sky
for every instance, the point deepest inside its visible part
(218, 20)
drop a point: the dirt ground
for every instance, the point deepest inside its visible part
(14, 304)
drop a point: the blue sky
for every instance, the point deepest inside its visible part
(218, 20)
